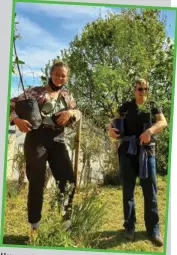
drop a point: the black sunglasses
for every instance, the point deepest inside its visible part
(141, 89)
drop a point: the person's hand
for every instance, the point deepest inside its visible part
(113, 132)
(23, 125)
(145, 137)
(63, 117)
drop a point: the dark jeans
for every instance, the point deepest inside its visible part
(40, 146)
(129, 167)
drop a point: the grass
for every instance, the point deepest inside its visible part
(106, 235)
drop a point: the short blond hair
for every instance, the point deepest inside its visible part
(141, 82)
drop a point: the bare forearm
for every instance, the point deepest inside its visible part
(158, 127)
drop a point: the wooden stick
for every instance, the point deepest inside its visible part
(77, 149)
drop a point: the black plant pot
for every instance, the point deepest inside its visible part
(28, 109)
(119, 124)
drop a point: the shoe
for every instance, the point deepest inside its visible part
(67, 225)
(157, 240)
(129, 234)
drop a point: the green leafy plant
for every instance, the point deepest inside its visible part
(87, 218)
(19, 166)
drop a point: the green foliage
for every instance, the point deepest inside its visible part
(45, 71)
(111, 175)
(109, 234)
(110, 54)
(58, 199)
(91, 148)
(12, 189)
(162, 152)
(111, 178)
(52, 233)
(87, 217)
(19, 166)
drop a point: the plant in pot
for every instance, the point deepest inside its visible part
(27, 109)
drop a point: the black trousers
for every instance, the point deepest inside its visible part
(42, 145)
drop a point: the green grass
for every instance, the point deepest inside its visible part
(110, 233)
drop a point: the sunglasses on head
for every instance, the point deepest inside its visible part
(141, 89)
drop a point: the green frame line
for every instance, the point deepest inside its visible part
(97, 4)
(7, 121)
(7, 127)
(80, 249)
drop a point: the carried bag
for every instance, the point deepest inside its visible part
(119, 124)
